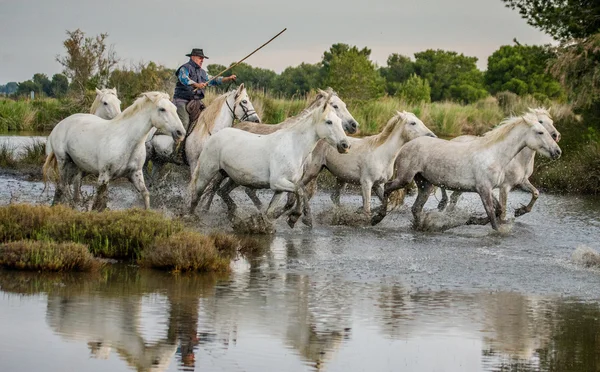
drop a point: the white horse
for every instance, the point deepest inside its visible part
(272, 161)
(109, 148)
(517, 172)
(106, 105)
(348, 122)
(219, 114)
(477, 166)
(370, 162)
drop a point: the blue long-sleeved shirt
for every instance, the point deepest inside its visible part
(184, 78)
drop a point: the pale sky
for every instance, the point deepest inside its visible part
(32, 31)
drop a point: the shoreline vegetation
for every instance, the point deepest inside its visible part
(44, 238)
(577, 171)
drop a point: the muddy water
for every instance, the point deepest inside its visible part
(334, 298)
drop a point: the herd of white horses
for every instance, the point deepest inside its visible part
(287, 157)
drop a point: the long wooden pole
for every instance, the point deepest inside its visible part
(243, 59)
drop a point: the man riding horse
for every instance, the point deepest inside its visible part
(189, 90)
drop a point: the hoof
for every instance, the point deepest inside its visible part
(291, 222)
(521, 211)
(307, 221)
(376, 219)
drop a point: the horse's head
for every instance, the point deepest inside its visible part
(106, 105)
(411, 126)
(164, 115)
(348, 122)
(329, 126)
(242, 108)
(538, 139)
(544, 118)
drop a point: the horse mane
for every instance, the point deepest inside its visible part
(506, 126)
(99, 95)
(140, 103)
(540, 111)
(382, 137)
(207, 118)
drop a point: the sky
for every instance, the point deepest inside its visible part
(32, 31)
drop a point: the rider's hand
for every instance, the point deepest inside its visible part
(232, 77)
(199, 85)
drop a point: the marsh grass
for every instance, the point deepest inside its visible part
(46, 256)
(187, 251)
(35, 153)
(8, 158)
(111, 234)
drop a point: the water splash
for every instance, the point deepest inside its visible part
(586, 256)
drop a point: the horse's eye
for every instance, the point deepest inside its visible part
(329, 122)
(162, 109)
(540, 133)
(244, 102)
(105, 103)
(541, 121)
(413, 123)
(335, 107)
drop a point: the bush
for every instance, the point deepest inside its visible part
(185, 251)
(46, 256)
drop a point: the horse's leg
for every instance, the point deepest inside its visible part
(224, 194)
(272, 213)
(424, 187)
(300, 207)
(61, 184)
(209, 195)
(366, 187)
(137, 178)
(100, 201)
(198, 184)
(76, 181)
(337, 191)
(444, 201)
(252, 195)
(454, 199)
(402, 179)
(527, 186)
(487, 198)
(504, 189)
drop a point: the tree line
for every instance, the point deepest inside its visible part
(431, 75)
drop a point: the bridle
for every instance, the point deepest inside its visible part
(247, 112)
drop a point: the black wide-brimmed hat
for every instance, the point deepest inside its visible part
(197, 52)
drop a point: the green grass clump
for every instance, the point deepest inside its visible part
(186, 251)
(111, 234)
(16, 115)
(7, 155)
(35, 153)
(46, 256)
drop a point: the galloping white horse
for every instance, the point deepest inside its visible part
(219, 114)
(517, 172)
(478, 165)
(267, 161)
(370, 162)
(109, 148)
(348, 122)
(106, 105)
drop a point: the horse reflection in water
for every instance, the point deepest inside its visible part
(109, 324)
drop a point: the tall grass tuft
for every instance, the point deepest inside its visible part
(16, 115)
(46, 256)
(8, 158)
(35, 152)
(185, 251)
(111, 234)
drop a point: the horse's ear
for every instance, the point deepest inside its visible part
(98, 91)
(321, 93)
(239, 90)
(114, 90)
(327, 101)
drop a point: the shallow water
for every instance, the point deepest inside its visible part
(19, 142)
(331, 298)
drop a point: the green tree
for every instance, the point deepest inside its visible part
(44, 83)
(25, 87)
(10, 88)
(255, 77)
(399, 69)
(451, 76)
(214, 69)
(562, 19)
(352, 74)
(143, 77)
(414, 90)
(300, 79)
(59, 85)
(88, 60)
(521, 69)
